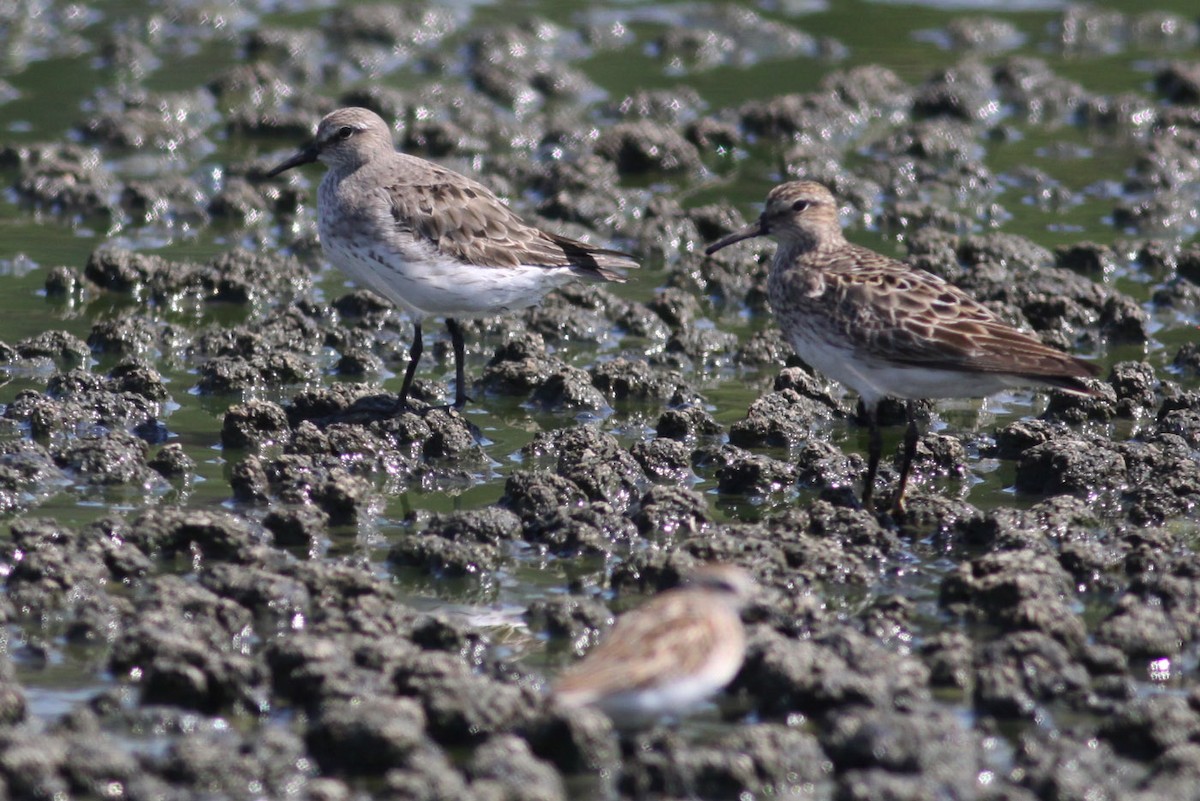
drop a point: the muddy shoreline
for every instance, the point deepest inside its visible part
(1039, 648)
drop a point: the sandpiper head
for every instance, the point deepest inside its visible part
(729, 582)
(345, 138)
(799, 212)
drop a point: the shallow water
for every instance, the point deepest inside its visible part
(55, 86)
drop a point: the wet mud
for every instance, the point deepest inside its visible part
(1034, 642)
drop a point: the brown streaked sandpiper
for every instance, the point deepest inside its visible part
(432, 241)
(883, 328)
(668, 655)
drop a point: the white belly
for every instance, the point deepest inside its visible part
(873, 379)
(677, 696)
(445, 287)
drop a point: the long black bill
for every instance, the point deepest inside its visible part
(305, 156)
(749, 232)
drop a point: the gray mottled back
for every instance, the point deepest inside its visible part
(459, 218)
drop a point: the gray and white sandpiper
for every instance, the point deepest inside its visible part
(667, 656)
(883, 328)
(433, 242)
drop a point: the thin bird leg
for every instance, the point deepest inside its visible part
(460, 381)
(910, 450)
(874, 450)
(414, 356)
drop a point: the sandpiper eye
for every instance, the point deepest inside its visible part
(800, 205)
(345, 132)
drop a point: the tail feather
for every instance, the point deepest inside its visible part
(602, 264)
(1075, 381)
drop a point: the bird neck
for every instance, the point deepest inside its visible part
(804, 243)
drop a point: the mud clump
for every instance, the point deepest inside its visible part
(265, 572)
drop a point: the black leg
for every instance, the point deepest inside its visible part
(460, 381)
(874, 450)
(910, 450)
(414, 356)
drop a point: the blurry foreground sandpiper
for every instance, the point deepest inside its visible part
(668, 655)
(883, 328)
(430, 240)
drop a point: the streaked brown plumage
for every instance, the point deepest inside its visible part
(430, 240)
(883, 328)
(668, 654)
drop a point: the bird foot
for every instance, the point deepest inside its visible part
(403, 405)
(421, 409)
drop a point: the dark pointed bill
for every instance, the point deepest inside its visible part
(305, 156)
(749, 232)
